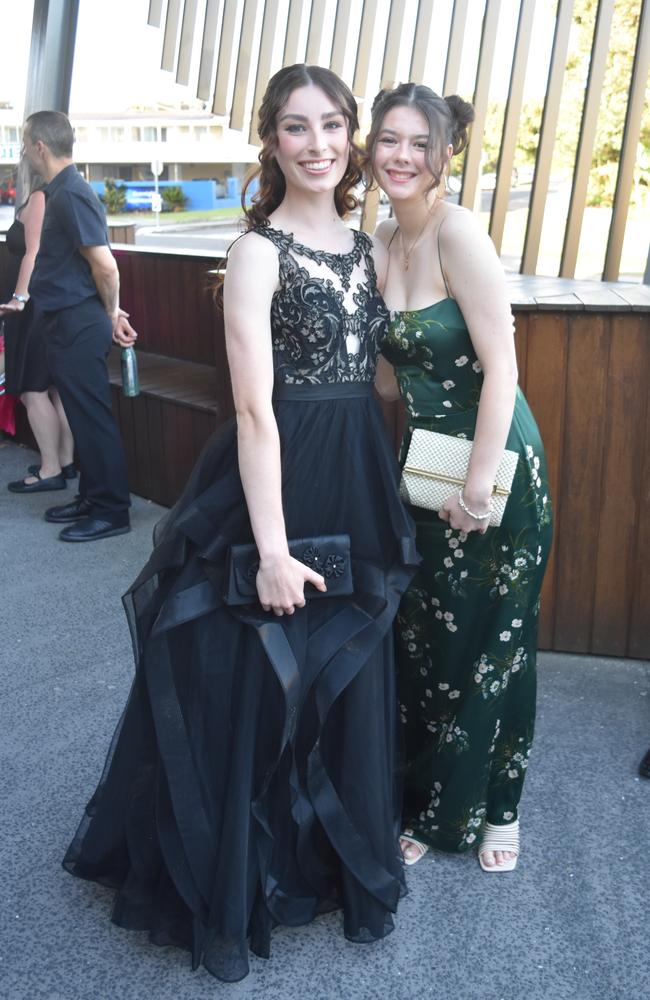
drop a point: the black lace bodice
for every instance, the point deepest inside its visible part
(326, 327)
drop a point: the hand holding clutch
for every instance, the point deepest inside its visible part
(327, 555)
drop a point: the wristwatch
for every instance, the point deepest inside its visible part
(20, 298)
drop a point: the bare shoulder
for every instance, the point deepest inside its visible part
(252, 262)
(456, 224)
(34, 205)
(251, 249)
(462, 236)
(378, 246)
(385, 231)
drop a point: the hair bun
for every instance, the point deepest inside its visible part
(378, 99)
(462, 114)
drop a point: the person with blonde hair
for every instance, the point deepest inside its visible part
(27, 373)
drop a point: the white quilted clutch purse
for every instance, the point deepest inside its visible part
(436, 468)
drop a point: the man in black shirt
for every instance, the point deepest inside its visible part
(75, 283)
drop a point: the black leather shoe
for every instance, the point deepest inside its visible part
(69, 471)
(644, 766)
(40, 486)
(90, 528)
(68, 511)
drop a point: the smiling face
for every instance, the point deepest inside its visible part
(312, 144)
(400, 162)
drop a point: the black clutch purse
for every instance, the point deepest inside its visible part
(328, 555)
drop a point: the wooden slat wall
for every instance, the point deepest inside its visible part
(169, 297)
(586, 376)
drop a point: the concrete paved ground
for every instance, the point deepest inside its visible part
(570, 924)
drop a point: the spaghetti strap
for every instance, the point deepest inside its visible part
(442, 270)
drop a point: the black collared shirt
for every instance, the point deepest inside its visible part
(74, 217)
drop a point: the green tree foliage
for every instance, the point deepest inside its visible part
(611, 118)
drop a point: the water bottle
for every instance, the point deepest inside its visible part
(130, 383)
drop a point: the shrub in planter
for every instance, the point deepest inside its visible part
(114, 196)
(174, 200)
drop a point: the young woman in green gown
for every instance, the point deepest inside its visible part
(467, 627)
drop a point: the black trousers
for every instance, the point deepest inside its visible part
(78, 340)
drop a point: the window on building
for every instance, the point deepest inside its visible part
(151, 133)
(200, 131)
(11, 133)
(117, 133)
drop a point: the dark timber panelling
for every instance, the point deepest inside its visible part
(584, 361)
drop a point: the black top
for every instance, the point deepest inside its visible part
(327, 316)
(74, 217)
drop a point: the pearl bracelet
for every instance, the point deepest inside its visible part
(463, 506)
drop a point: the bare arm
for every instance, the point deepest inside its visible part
(385, 381)
(107, 281)
(380, 258)
(478, 284)
(32, 219)
(281, 579)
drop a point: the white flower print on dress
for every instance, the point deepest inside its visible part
(462, 360)
(472, 824)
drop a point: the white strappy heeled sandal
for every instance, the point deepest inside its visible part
(500, 838)
(407, 837)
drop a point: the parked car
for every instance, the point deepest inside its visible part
(8, 192)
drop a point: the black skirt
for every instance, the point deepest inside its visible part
(25, 359)
(251, 780)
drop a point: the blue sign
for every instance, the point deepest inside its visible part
(139, 197)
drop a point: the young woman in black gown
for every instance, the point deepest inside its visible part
(251, 779)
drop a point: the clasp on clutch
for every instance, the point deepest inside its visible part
(443, 477)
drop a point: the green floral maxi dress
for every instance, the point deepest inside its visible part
(467, 625)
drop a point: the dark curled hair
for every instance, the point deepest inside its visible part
(448, 119)
(272, 185)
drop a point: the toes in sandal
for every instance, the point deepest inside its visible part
(407, 838)
(500, 838)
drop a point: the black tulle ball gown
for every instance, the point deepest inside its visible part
(251, 780)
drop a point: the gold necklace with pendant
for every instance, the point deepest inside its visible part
(406, 254)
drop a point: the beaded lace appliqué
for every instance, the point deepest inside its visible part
(316, 338)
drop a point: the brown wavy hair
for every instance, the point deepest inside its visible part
(272, 186)
(448, 118)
